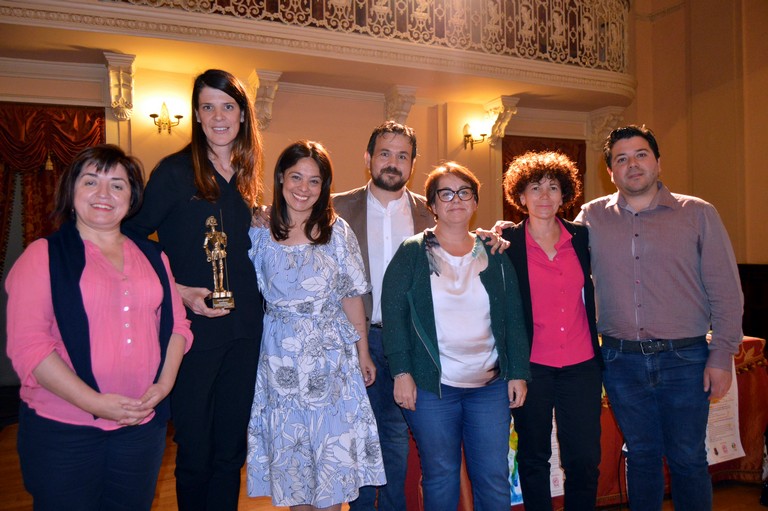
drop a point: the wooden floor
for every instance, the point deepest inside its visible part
(729, 496)
(13, 497)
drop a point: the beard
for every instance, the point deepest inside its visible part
(393, 184)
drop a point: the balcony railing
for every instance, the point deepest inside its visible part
(586, 33)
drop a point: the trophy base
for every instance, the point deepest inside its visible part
(223, 300)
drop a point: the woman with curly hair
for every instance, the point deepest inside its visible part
(551, 258)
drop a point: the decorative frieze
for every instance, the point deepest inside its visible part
(586, 33)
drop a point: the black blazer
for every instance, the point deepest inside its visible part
(518, 254)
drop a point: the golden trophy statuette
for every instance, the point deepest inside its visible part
(215, 245)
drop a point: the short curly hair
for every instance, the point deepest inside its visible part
(532, 167)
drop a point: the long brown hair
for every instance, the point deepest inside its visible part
(247, 151)
(322, 215)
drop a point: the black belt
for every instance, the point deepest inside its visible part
(650, 346)
(376, 325)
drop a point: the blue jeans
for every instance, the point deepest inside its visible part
(393, 435)
(82, 468)
(476, 418)
(662, 410)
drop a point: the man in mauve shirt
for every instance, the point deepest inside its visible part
(665, 274)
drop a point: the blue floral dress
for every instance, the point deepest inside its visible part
(312, 436)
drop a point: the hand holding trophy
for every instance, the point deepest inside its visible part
(215, 245)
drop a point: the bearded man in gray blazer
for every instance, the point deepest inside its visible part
(383, 213)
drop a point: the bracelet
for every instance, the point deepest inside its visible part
(400, 375)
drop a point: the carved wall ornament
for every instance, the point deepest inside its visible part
(399, 100)
(502, 109)
(120, 68)
(601, 123)
(264, 85)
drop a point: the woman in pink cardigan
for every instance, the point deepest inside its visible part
(96, 333)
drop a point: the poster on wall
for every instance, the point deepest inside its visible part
(516, 493)
(723, 440)
(556, 474)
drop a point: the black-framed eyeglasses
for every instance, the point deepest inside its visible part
(447, 195)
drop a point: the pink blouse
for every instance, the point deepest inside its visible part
(560, 328)
(123, 311)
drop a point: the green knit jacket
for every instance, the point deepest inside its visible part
(410, 337)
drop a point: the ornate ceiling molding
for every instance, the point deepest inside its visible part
(96, 16)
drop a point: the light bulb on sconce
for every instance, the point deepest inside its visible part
(469, 141)
(163, 121)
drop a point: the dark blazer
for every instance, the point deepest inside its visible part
(518, 254)
(352, 206)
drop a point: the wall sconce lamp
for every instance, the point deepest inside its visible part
(469, 141)
(163, 121)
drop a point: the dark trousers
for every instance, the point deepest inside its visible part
(393, 435)
(574, 392)
(82, 468)
(210, 407)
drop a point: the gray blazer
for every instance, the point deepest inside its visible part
(352, 206)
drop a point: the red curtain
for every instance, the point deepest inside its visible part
(29, 135)
(576, 150)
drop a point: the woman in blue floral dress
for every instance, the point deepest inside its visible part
(312, 437)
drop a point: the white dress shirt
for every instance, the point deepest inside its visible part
(388, 227)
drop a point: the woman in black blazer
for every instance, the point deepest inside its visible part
(551, 258)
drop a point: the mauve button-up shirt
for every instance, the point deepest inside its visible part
(667, 272)
(123, 311)
(560, 329)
